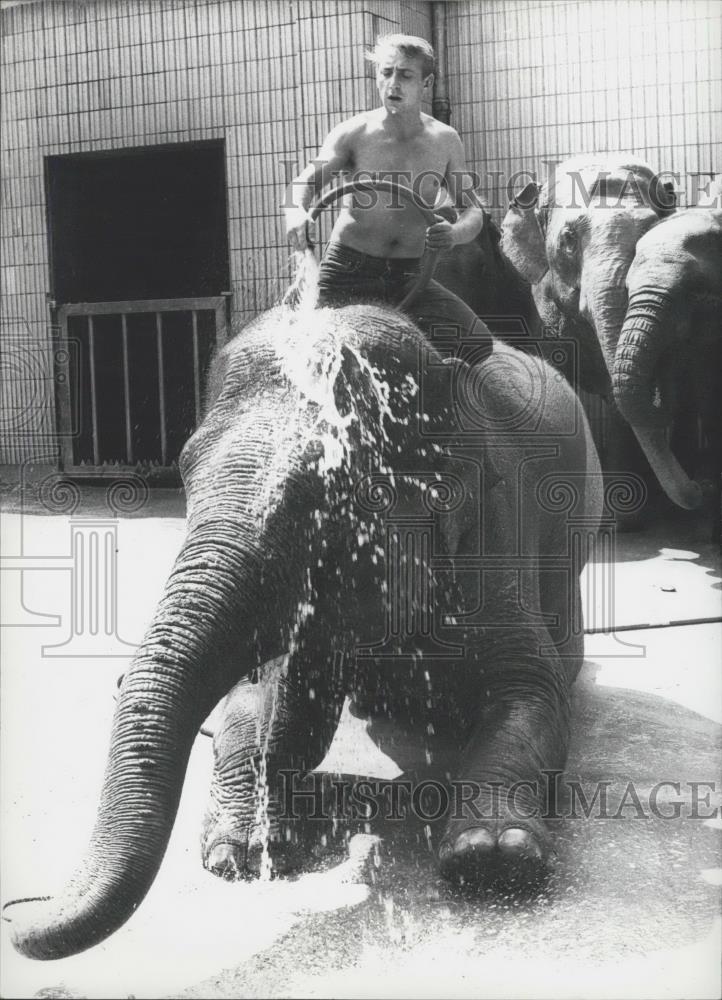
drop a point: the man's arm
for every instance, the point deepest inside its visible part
(444, 235)
(333, 157)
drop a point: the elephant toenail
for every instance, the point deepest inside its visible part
(519, 843)
(477, 840)
(226, 860)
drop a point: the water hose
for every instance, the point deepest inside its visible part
(428, 261)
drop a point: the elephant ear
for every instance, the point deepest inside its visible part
(663, 196)
(523, 235)
(528, 197)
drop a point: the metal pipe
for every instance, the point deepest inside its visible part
(126, 391)
(196, 369)
(93, 392)
(161, 388)
(440, 105)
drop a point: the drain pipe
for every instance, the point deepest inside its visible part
(440, 105)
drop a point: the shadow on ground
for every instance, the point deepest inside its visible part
(625, 891)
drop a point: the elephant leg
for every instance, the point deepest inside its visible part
(496, 832)
(270, 733)
(557, 591)
(708, 384)
(561, 600)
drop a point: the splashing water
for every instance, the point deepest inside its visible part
(311, 346)
(303, 292)
(312, 363)
(271, 676)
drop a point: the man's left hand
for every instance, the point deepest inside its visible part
(440, 236)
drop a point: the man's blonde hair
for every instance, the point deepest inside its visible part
(411, 45)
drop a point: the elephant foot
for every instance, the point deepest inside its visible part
(228, 861)
(495, 854)
(289, 851)
(243, 861)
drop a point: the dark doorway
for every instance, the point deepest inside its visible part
(139, 252)
(138, 224)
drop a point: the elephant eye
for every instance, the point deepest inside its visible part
(568, 240)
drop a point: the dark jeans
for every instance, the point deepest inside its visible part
(350, 276)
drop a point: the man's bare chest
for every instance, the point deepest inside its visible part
(415, 162)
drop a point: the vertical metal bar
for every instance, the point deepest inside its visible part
(161, 387)
(126, 390)
(222, 311)
(196, 368)
(65, 421)
(93, 392)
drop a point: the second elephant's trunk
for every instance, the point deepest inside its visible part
(641, 343)
(603, 302)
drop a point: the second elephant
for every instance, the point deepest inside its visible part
(581, 232)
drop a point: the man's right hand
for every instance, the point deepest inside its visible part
(298, 225)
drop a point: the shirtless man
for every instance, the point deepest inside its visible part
(377, 242)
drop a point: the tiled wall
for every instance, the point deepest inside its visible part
(529, 82)
(269, 78)
(540, 81)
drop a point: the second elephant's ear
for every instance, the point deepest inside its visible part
(523, 237)
(527, 197)
(662, 196)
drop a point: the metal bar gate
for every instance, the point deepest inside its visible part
(135, 370)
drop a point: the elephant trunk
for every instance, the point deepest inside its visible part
(179, 673)
(603, 302)
(641, 343)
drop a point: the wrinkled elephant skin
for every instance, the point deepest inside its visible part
(673, 324)
(587, 222)
(385, 522)
(526, 317)
(479, 274)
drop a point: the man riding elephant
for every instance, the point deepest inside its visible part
(375, 249)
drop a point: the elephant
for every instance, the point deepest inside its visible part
(531, 318)
(578, 234)
(382, 517)
(479, 274)
(673, 325)
(515, 311)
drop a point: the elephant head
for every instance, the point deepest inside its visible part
(295, 394)
(583, 226)
(480, 275)
(675, 298)
(576, 238)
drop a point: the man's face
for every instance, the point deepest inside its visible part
(400, 82)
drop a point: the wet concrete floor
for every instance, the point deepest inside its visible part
(633, 906)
